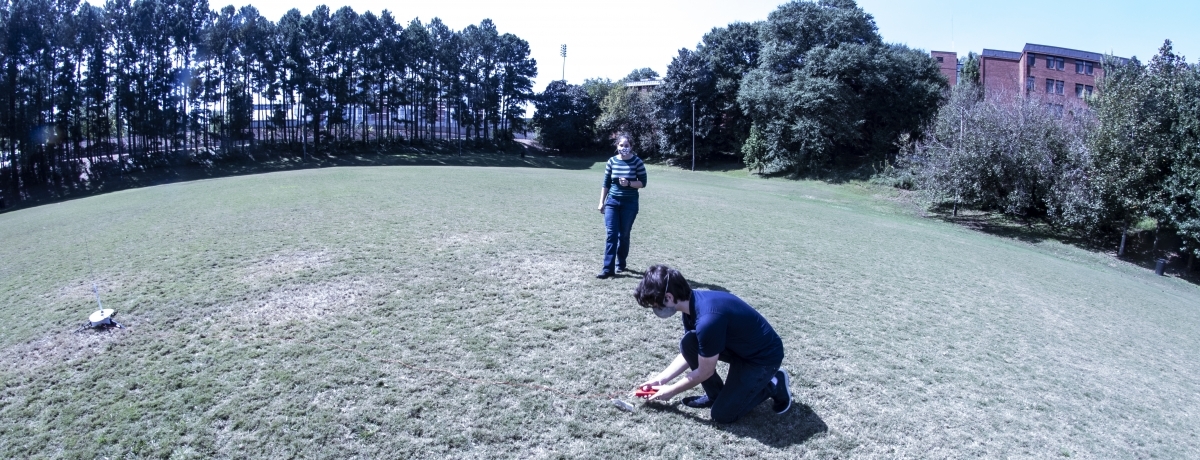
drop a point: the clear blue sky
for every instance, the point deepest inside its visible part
(610, 38)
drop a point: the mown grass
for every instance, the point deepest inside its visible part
(321, 313)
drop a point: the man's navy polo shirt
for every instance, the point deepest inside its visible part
(725, 323)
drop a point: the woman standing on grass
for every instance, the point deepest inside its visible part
(624, 174)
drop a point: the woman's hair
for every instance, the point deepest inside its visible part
(657, 282)
(623, 136)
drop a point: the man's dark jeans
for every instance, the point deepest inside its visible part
(746, 386)
(619, 213)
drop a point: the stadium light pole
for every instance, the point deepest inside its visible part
(563, 52)
(693, 134)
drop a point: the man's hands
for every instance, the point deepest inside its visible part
(659, 383)
(654, 390)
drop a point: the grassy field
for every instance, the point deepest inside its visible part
(417, 311)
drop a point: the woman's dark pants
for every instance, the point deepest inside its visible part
(745, 386)
(619, 213)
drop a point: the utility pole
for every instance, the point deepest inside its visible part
(693, 134)
(563, 52)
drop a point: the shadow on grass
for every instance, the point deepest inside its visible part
(1139, 249)
(851, 168)
(796, 426)
(632, 273)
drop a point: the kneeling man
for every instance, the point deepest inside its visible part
(716, 326)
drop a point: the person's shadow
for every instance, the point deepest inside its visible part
(796, 426)
(632, 273)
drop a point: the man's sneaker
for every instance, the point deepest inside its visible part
(698, 402)
(604, 274)
(782, 398)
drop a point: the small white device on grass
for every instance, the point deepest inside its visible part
(102, 318)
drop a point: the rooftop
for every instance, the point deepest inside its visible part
(1010, 55)
(634, 84)
(1067, 52)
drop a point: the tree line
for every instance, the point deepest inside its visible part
(88, 91)
(1127, 157)
(812, 87)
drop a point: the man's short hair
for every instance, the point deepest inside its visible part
(659, 280)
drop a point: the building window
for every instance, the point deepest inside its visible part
(1054, 86)
(1032, 60)
(1029, 84)
(1084, 67)
(1079, 90)
(940, 59)
(1055, 63)
(1087, 90)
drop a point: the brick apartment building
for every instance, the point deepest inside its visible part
(1060, 76)
(948, 64)
(1000, 72)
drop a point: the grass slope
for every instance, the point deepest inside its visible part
(321, 313)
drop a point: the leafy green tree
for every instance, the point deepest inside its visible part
(139, 83)
(631, 112)
(1132, 156)
(687, 94)
(1011, 156)
(565, 117)
(1181, 188)
(598, 88)
(1167, 153)
(970, 70)
(827, 89)
(644, 73)
(517, 71)
(732, 52)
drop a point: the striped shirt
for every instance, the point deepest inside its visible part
(617, 168)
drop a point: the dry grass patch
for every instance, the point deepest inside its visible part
(285, 264)
(305, 302)
(58, 348)
(456, 241)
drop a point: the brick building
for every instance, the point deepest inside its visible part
(948, 64)
(1000, 72)
(1057, 75)
(1060, 72)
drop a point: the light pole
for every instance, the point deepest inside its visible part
(563, 52)
(693, 134)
